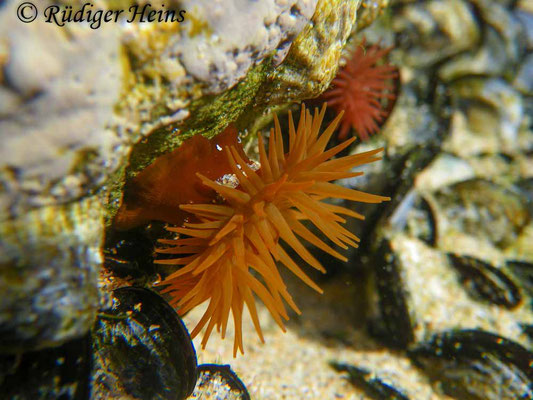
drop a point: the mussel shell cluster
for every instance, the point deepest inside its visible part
(138, 348)
(450, 258)
(475, 365)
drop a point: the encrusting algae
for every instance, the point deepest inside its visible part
(229, 254)
(154, 195)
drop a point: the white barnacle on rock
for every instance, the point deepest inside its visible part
(238, 34)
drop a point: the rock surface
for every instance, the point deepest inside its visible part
(83, 109)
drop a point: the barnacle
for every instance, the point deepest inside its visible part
(229, 254)
(364, 89)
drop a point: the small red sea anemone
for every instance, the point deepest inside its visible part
(229, 254)
(364, 90)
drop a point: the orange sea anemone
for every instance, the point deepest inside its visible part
(229, 255)
(364, 90)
